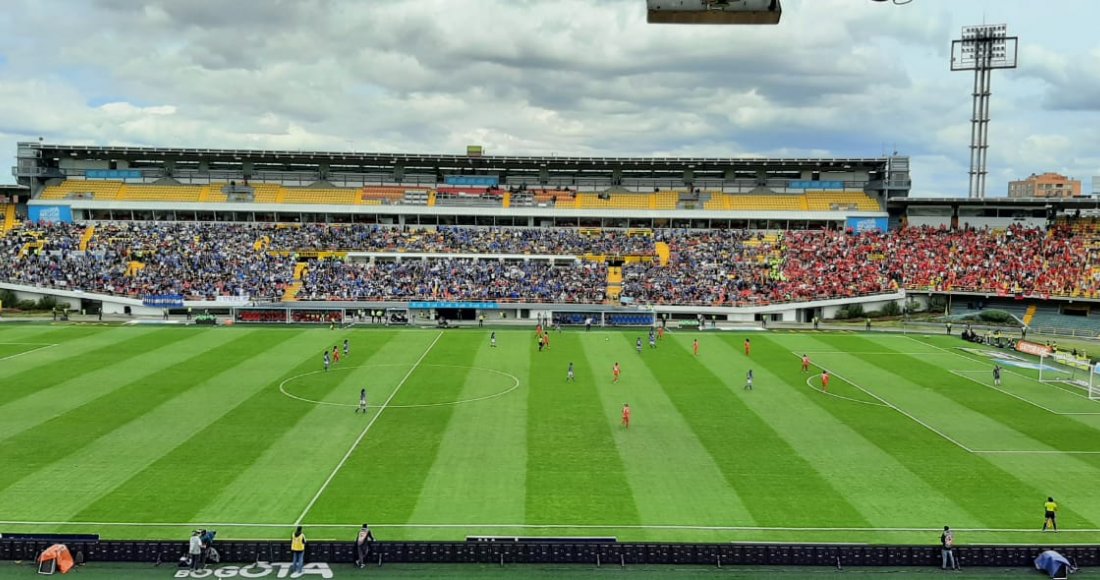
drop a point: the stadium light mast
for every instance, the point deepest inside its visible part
(982, 49)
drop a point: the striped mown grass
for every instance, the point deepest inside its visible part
(145, 432)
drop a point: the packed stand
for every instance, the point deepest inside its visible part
(723, 267)
(454, 279)
(713, 267)
(457, 240)
(198, 260)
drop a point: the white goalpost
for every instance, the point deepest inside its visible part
(1080, 376)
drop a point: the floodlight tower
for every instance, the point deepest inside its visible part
(982, 49)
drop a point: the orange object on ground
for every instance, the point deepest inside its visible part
(58, 553)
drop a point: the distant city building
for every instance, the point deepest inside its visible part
(1045, 185)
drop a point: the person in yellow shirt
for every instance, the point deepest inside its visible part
(1051, 509)
(297, 551)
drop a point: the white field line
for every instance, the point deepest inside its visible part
(363, 433)
(1075, 391)
(811, 385)
(925, 353)
(896, 408)
(19, 354)
(963, 374)
(549, 527)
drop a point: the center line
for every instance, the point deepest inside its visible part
(363, 434)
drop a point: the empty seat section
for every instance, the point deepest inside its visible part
(839, 200)
(332, 196)
(175, 193)
(376, 195)
(78, 187)
(266, 192)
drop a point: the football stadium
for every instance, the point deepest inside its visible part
(467, 363)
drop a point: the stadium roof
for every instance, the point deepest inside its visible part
(241, 155)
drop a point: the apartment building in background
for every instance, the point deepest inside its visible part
(1045, 185)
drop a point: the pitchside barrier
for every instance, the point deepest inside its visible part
(564, 551)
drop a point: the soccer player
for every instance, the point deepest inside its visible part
(546, 340)
(748, 381)
(661, 331)
(569, 376)
(652, 340)
(335, 354)
(326, 361)
(362, 401)
(493, 339)
(695, 346)
(347, 347)
(805, 363)
(626, 415)
(541, 343)
(824, 381)
(748, 347)
(638, 345)
(997, 375)
(615, 372)
(1051, 509)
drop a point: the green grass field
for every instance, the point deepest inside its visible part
(146, 432)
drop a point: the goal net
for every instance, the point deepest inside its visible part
(1078, 374)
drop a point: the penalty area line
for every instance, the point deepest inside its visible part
(26, 352)
(896, 408)
(363, 433)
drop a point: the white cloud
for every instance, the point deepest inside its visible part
(837, 77)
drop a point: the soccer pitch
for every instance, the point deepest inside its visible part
(150, 431)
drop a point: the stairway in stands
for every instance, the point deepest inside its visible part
(9, 222)
(290, 294)
(614, 282)
(86, 238)
(1030, 314)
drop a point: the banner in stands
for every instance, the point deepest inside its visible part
(260, 570)
(163, 301)
(430, 305)
(815, 185)
(1034, 348)
(479, 181)
(112, 174)
(50, 213)
(862, 225)
(232, 300)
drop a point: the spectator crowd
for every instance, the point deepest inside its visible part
(712, 267)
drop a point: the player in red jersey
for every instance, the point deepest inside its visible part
(660, 332)
(825, 381)
(748, 347)
(335, 355)
(626, 415)
(805, 363)
(615, 370)
(695, 346)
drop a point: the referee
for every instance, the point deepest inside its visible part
(1051, 509)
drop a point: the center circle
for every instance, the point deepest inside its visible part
(284, 386)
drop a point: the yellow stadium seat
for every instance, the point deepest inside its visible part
(332, 196)
(76, 187)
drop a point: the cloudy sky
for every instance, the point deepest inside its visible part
(566, 77)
